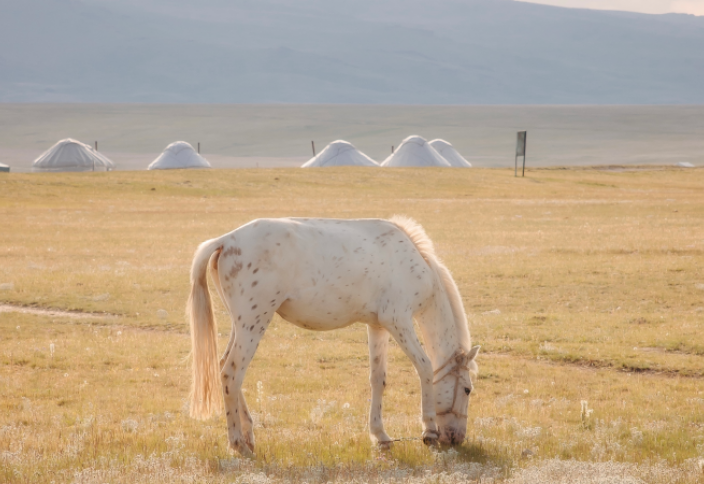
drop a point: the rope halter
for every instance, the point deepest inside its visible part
(453, 367)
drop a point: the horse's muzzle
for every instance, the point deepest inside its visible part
(451, 436)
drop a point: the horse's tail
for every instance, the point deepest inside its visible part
(420, 239)
(204, 344)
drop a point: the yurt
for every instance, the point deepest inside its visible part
(340, 153)
(178, 155)
(71, 155)
(449, 152)
(415, 151)
(4, 167)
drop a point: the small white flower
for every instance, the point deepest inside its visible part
(51, 349)
(526, 391)
(129, 425)
(346, 405)
(119, 333)
(65, 375)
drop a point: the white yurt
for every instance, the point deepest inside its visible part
(449, 152)
(178, 155)
(340, 153)
(4, 167)
(71, 155)
(415, 151)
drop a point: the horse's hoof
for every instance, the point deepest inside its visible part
(250, 445)
(430, 437)
(249, 440)
(386, 445)
(245, 449)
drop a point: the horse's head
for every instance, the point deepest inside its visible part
(452, 387)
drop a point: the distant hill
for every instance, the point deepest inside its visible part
(336, 51)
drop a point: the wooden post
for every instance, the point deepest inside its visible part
(312, 143)
(392, 149)
(525, 142)
(199, 147)
(96, 146)
(520, 151)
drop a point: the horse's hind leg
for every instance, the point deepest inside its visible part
(378, 342)
(250, 328)
(247, 423)
(401, 328)
(215, 273)
(245, 416)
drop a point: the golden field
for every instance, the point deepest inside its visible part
(584, 288)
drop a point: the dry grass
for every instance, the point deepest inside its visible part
(581, 285)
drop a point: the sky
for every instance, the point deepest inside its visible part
(695, 7)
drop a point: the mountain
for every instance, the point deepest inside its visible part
(336, 51)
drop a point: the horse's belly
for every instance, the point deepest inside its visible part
(322, 317)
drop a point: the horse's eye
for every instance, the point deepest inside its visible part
(467, 390)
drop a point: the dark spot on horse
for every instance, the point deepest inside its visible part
(255, 270)
(254, 307)
(235, 269)
(251, 327)
(227, 389)
(249, 265)
(255, 283)
(239, 318)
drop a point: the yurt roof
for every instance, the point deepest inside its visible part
(415, 151)
(449, 152)
(178, 155)
(71, 155)
(340, 153)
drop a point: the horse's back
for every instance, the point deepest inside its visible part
(323, 271)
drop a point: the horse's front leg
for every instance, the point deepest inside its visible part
(239, 422)
(401, 328)
(378, 343)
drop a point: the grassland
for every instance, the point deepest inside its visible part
(583, 286)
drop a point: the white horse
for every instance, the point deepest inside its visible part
(324, 274)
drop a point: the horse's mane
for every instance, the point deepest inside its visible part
(425, 246)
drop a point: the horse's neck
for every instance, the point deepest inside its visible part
(440, 332)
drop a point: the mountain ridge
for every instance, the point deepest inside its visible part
(375, 52)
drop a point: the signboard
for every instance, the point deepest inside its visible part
(520, 151)
(521, 144)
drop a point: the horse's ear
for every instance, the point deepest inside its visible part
(473, 353)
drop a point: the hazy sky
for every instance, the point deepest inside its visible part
(695, 7)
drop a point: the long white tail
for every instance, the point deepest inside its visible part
(205, 399)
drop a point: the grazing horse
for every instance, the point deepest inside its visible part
(324, 274)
